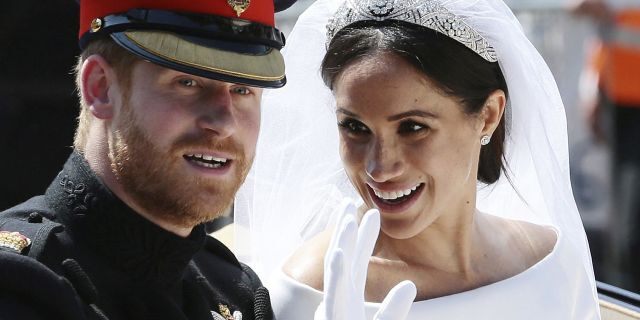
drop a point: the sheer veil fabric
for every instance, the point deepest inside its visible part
(297, 179)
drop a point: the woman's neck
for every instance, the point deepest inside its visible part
(450, 244)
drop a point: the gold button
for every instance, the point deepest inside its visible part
(96, 24)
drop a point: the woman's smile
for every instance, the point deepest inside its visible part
(397, 201)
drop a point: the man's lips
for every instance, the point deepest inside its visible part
(207, 160)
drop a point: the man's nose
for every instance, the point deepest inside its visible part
(217, 113)
(384, 161)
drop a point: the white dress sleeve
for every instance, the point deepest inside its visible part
(291, 299)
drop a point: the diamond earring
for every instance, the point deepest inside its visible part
(485, 140)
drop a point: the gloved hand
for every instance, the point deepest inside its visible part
(345, 273)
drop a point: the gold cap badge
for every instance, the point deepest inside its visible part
(96, 25)
(239, 6)
(14, 240)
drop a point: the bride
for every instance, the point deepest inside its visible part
(450, 124)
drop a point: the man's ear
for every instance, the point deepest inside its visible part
(492, 111)
(97, 77)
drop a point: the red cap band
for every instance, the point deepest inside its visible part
(260, 11)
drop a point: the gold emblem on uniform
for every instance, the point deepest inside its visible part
(225, 313)
(239, 6)
(14, 240)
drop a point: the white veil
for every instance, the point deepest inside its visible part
(297, 178)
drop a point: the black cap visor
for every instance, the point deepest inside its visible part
(264, 69)
(230, 50)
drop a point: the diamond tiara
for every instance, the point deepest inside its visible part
(426, 13)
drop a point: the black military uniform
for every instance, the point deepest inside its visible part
(78, 251)
(91, 254)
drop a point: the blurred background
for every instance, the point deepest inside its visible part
(591, 46)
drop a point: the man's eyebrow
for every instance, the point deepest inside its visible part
(412, 113)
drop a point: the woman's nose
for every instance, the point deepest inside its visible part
(384, 161)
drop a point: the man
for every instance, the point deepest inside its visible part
(170, 109)
(614, 113)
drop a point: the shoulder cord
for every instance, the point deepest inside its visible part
(84, 286)
(262, 300)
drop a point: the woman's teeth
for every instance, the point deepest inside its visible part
(392, 195)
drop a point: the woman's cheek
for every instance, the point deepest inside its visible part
(352, 154)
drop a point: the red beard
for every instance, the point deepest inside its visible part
(155, 182)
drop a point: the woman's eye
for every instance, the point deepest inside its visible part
(411, 127)
(188, 82)
(241, 90)
(353, 126)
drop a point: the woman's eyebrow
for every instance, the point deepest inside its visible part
(347, 112)
(412, 113)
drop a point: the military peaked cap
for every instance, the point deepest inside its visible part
(228, 40)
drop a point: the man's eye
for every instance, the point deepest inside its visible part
(353, 126)
(241, 90)
(188, 82)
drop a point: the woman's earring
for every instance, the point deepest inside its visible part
(485, 140)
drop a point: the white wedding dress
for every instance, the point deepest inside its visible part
(555, 288)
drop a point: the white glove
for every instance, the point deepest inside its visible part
(345, 273)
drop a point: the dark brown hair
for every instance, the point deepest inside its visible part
(455, 69)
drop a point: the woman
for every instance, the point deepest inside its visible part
(445, 112)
